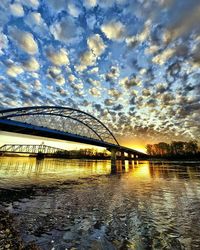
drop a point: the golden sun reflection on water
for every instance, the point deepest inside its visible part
(141, 170)
(16, 171)
(154, 202)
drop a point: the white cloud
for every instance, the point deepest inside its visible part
(164, 56)
(3, 43)
(95, 92)
(108, 102)
(14, 70)
(77, 86)
(66, 30)
(96, 44)
(73, 10)
(89, 57)
(114, 30)
(17, 9)
(35, 18)
(63, 92)
(37, 85)
(53, 71)
(94, 82)
(60, 80)
(152, 49)
(24, 39)
(90, 3)
(31, 64)
(79, 68)
(129, 82)
(145, 34)
(94, 70)
(35, 21)
(58, 58)
(71, 78)
(34, 75)
(132, 41)
(146, 92)
(113, 73)
(91, 21)
(114, 93)
(143, 71)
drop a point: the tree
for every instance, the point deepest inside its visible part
(178, 147)
(164, 148)
(191, 147)
(149, 149)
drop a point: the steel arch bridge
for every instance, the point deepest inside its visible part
(63, 119)
(61, 123)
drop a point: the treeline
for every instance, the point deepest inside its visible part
(176, 149)
(89, 153)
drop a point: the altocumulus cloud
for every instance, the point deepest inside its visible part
(66, 30)
(114, 30)
(31, 64)
(17, 9)
(58, 58)
(133, 64)
(25, 40)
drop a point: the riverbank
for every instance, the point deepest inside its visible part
(10, 238)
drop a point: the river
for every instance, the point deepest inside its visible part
(79, 204)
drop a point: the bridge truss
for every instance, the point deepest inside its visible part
(63, 119)
(30, 149)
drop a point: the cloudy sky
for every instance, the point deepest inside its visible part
(134, 64)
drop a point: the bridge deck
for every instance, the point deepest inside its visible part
(23, 128)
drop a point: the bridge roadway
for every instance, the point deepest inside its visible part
(7, 123)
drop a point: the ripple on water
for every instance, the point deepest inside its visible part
(149, 206)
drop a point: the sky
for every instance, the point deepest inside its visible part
(134, 64)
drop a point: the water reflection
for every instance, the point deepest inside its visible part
(146, 205)
(24, 170)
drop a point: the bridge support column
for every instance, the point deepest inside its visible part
(129, 156)
(130, 160)
(123, 159)
(113, 160)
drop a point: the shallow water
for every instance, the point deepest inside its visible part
(80, 205)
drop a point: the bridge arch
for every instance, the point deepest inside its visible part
(63, 119)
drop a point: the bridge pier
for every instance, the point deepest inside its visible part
(130, 160)
(123, 159)
(113, 160)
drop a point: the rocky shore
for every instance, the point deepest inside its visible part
(9, 234)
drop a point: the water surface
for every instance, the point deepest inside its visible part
(81, 205)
